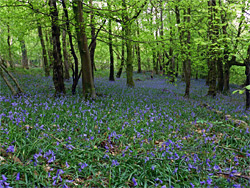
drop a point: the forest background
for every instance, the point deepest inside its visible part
(124, 93)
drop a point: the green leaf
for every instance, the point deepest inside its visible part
(241, 91)
(248, 87)
(235, 91)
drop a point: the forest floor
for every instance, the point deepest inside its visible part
(147, 136)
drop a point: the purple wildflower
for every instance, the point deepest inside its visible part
(18, 176)
(11, 149)
(134, 181)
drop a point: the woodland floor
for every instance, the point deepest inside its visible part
(148, 136)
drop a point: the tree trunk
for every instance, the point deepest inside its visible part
(44, 53)
(220, 75)
(129, 62)
(213, 34)
(247, 72)
(87, 78)
(65, 56)
(138, 53)
(12, 89)
(118, 75)
(24, 55)
(74, 68)
(138, 50)
(187, 61)
(19, 89)
(111, 53)
(93, 45)
(49, 47)
(9, 48)
(57, 57)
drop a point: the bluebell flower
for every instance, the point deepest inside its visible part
(134, 181)
(11, 149)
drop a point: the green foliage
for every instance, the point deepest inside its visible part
(242, 91)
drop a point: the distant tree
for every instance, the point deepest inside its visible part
(44, 51)
(24, 55)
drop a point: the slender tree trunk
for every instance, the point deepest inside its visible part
(74, 68)
(138, 53)
(171, 60)
(111, 53)
(93, 45)
(24, 55)
(9, 48)
(187, 61)
(57, 57)
(87, 78)
(247, 72)
(44, 53)
(49, 48)
(65, 55)
(118, 75)
(138, 50)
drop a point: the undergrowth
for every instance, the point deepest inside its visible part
(148, 136)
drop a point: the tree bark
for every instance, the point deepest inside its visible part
(24, 55)
(247, 72)
(138, 50)
(111, 53)
(57, 57)
(12, 89)
(187, 61)
(44, 53)
(129, 62)
(93, 45)
(220, 75)
(19, 89)
(75, 75)
(65, 55)
(49, 47)
(9, 48)
(118, 75)
(212, 55)
(138, 53)
(87, 78)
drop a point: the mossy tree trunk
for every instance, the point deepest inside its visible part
(129, 62)
(87, 78)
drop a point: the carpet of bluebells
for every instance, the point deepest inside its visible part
(147, 136)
